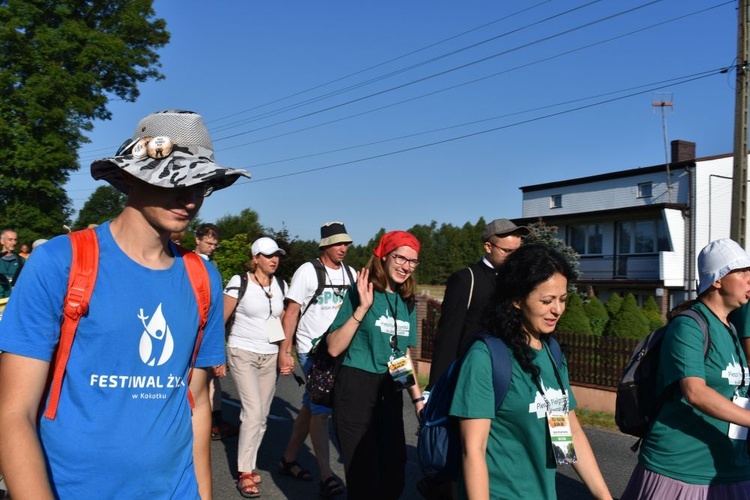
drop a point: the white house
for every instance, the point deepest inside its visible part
(640, 230)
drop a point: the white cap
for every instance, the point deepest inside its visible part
(719, 258)
(266, 246)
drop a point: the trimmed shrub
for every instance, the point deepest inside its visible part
(597, 314)
(651, 311)
(613, 304)
(574, 319)
(629, 322)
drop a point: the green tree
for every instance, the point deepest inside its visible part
(247, 223)
(574, 319)
(629, 322)
(652, 313)
(232, 256)
(613, 304)
(546, 235)
(597, 315)
(104, 204)
(61, 62)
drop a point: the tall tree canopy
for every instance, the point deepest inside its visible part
(104, 204)
(62, 60)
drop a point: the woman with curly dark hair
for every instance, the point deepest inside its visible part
(509, 453)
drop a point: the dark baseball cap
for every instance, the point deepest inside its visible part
(502, 227)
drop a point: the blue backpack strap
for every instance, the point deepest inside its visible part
(555, 350)
(501, 366)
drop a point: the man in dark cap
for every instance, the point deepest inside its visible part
(122, 426)
(467, 292)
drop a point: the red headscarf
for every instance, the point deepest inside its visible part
(391, 241)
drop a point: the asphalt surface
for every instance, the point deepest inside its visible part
(612, 450)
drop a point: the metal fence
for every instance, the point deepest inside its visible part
(592, 360)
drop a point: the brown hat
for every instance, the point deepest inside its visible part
(502, 227)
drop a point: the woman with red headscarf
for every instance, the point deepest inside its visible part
(373, 331)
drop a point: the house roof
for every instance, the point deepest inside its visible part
(605, 215)
(619, 174)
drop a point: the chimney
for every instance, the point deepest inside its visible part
(682, 151)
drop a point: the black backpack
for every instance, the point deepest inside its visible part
(638, 403)
(320, 272)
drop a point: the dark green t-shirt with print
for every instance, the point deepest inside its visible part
(370, 349)
(519, 454)
(684, 443)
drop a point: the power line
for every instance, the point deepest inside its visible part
(492, 118)
(481, 132)
(397, 103)
(660, 85)
(402, 70)
(445, 72)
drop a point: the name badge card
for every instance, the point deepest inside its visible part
(402, 372)
(274, 330)
(737, 431)
(562, 439)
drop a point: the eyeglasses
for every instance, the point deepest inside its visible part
(401, 260)
(502, 249)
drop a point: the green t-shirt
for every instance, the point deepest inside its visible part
(685, 444)
(519, 455)
(370, 349)
(741, 319)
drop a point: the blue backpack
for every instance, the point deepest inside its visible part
(439, 439)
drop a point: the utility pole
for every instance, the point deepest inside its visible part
(739, 183)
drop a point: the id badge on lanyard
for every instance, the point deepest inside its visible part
(558, 423)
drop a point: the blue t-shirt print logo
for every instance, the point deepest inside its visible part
(156, 344)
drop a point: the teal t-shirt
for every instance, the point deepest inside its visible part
(684, 443)
(370, 349)
(741, 319)
(519, 455)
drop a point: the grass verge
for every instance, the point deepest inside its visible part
(596, 418)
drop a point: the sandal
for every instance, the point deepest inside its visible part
(246, 486)
(287, 468)
(331, 487)
(256, 477)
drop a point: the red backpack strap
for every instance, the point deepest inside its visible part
(198, 276)
(83, 269)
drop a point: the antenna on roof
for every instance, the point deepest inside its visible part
(663, 100)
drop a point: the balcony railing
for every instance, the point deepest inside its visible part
(627, 267)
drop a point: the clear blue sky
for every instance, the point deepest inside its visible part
(293, 86)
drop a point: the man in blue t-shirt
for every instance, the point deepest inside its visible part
(123, 427)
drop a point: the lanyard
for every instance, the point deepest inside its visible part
(268, 293)
(559, 381)
(394, 310)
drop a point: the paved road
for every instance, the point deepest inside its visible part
(611, 448)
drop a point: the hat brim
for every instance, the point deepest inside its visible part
(335, 240)
(707, 281)
(184, 167)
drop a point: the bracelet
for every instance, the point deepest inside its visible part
(355, 319)
(417, 400)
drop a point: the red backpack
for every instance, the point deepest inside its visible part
(83, 270)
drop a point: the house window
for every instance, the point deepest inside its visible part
(586, 239)
(644, 190)
(555, 201)
(639, 237)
